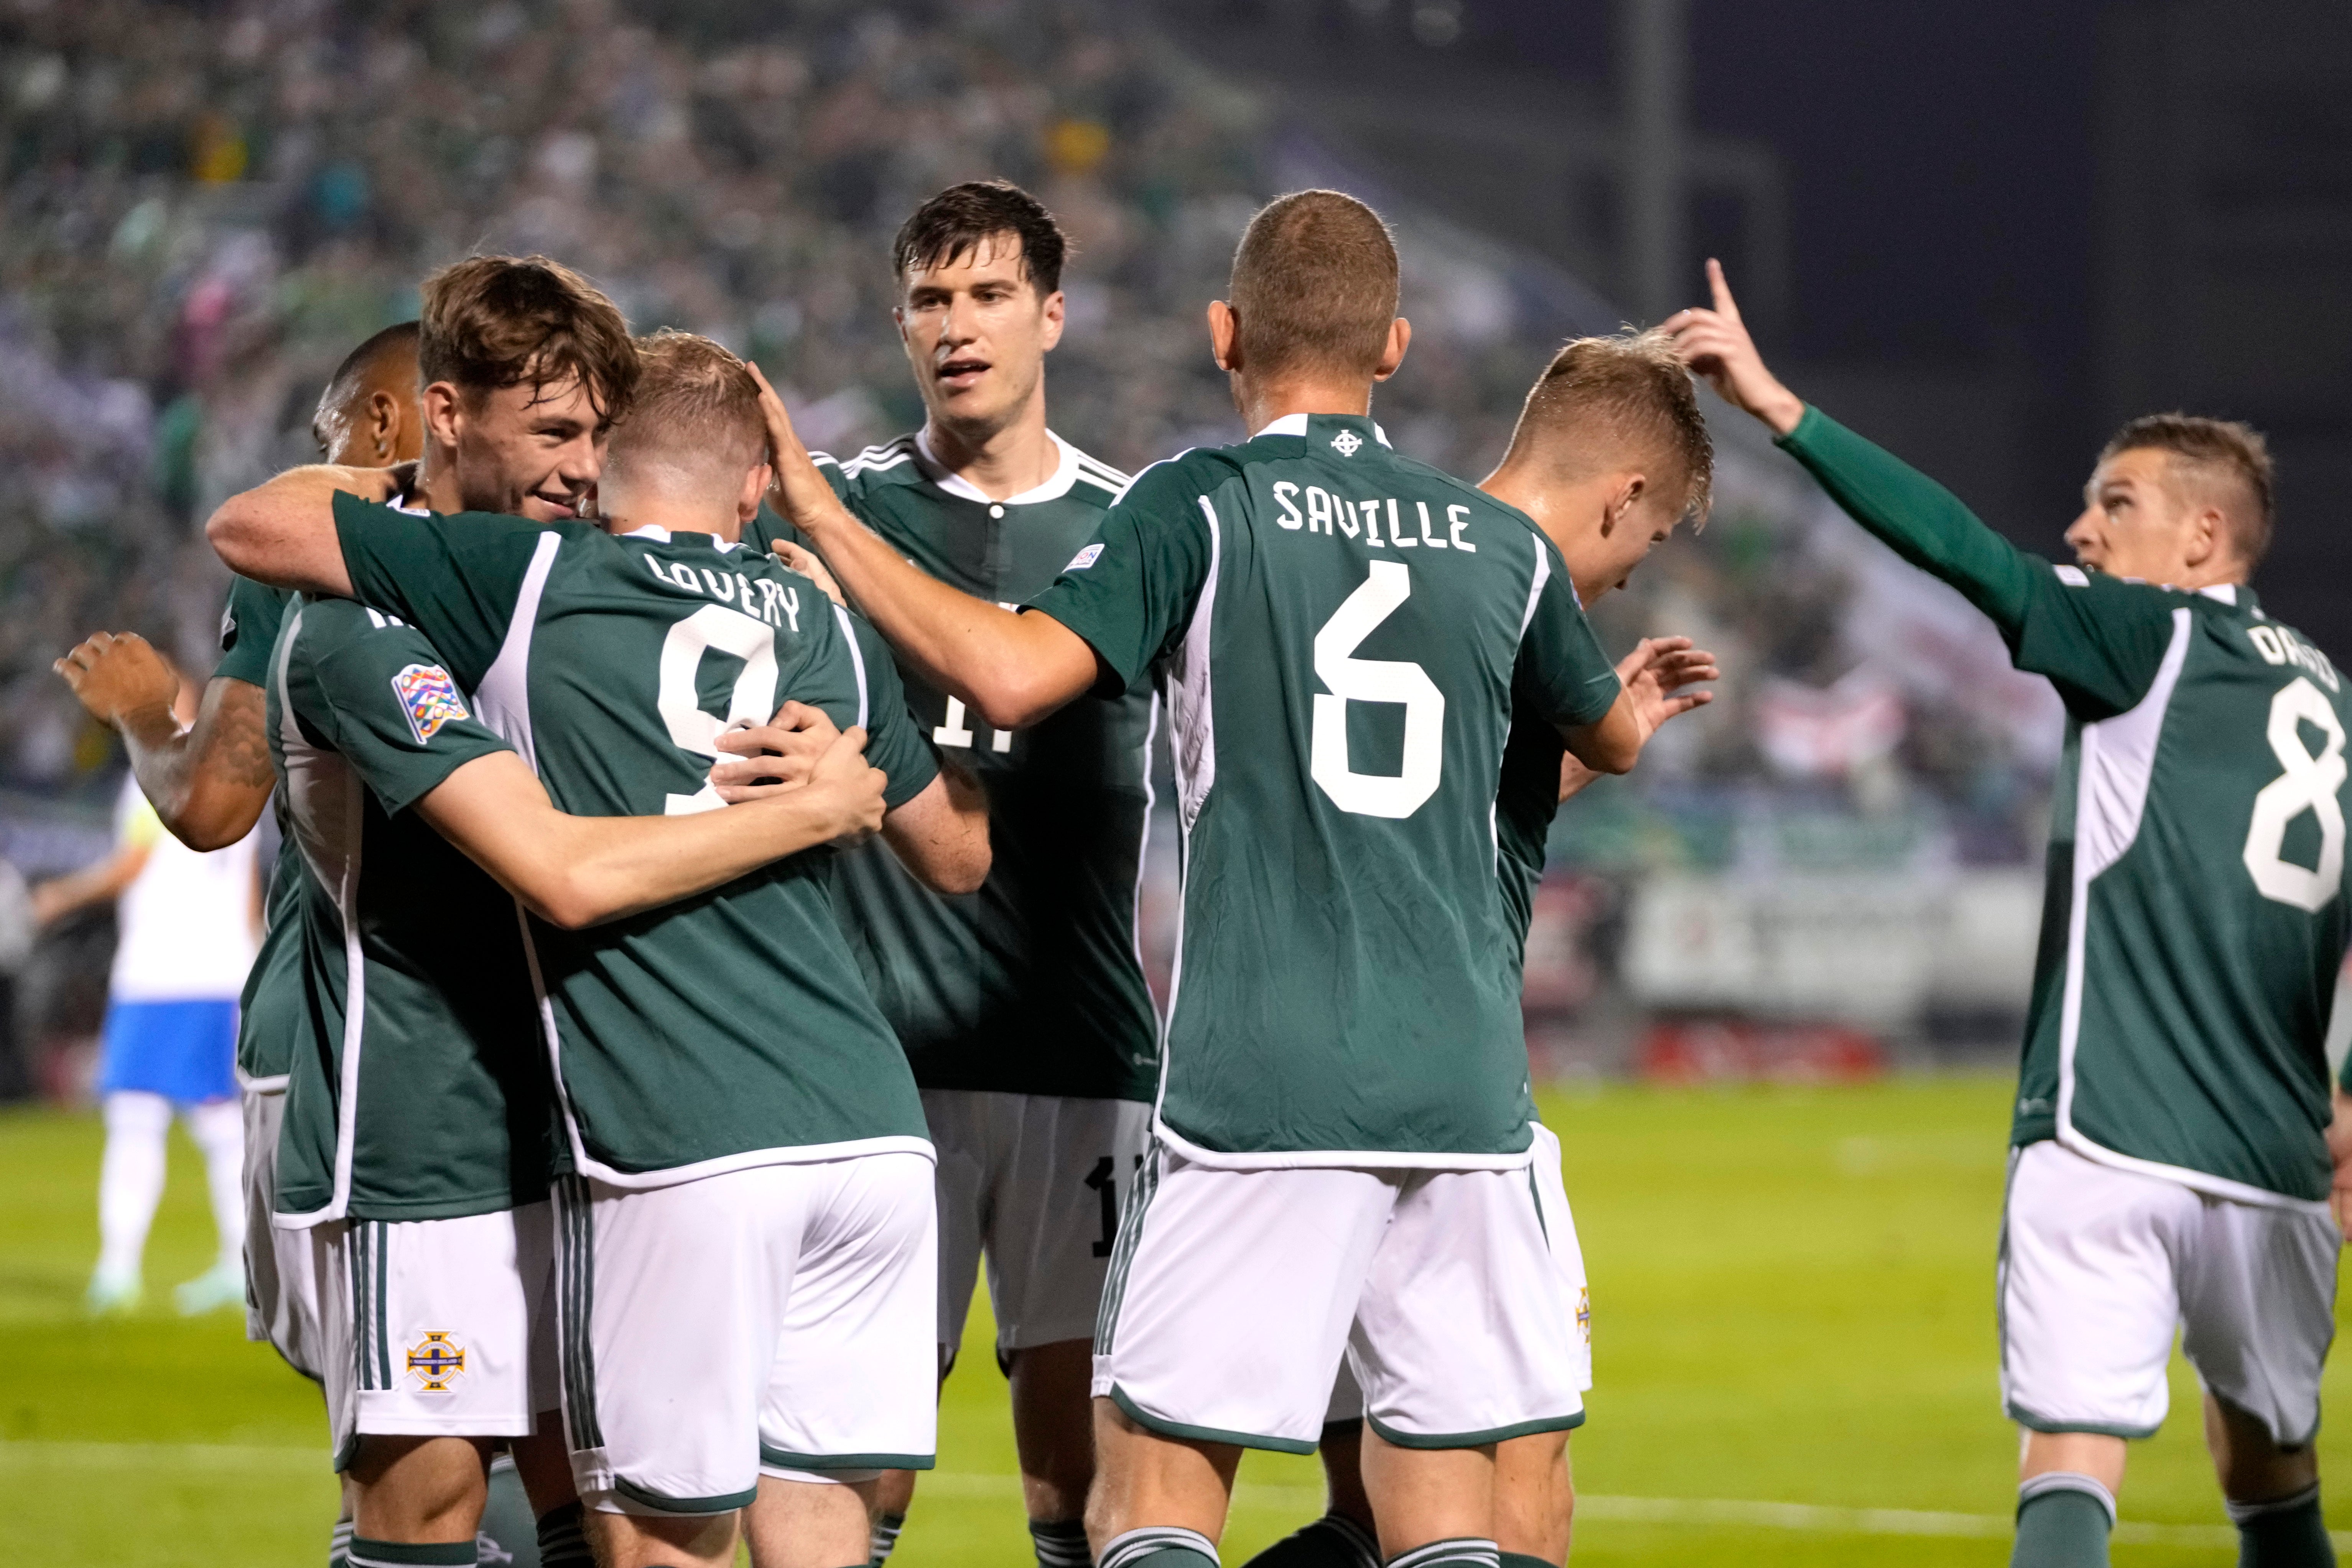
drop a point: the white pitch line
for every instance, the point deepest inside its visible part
(1304, 1501)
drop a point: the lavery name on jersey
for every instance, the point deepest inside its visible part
(779, 604)
(1330, 514)
(2278, 645)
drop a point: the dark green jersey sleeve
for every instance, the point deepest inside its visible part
(895, 741)
(2099, 639)
(248, 630)
(454, 578)
(1130, 593)
(1562, 674)
(385, 701)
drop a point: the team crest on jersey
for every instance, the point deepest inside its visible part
(435, 1362)
(1346, 442)
(429, 697)
(1085, 558)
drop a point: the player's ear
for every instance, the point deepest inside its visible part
(1225, 334)
(2207, 531)
(1053, 310)
(383, 424)
(756, 479)
(443, 407)
(1392, 353)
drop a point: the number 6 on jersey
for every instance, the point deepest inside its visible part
(1353, 679)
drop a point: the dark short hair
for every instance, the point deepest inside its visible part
(960, 218)
(697, 408)
(1315, 285)
(500, 321)
(357, 367)
(1602, 400)
(2230, 459)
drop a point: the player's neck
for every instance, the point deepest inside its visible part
(1261, 405)
(998, 461)
(672, 516)
(435, 487)
(1555, 509)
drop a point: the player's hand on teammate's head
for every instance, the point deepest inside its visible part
(115, 673)
(1716, 345)
(797, 486)
(811, 566)
(768, 759)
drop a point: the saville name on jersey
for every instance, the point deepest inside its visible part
(1364, 521)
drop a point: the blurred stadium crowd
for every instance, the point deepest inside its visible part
(207, 204)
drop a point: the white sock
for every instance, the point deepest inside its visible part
(218, 1127)
(130, 1178)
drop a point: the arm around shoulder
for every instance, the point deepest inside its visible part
(283, 533)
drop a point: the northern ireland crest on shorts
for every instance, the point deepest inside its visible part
(434, 1361)
(430, 698)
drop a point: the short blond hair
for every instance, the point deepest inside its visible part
(696, 413)
(1627, 397)
(2230, 461)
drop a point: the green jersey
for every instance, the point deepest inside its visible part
(726, 1030)
(1343, 631)
(1032, 984)
(2194, 916)
(269, 1013)
(419, 1088)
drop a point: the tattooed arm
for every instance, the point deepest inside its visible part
(208, 782)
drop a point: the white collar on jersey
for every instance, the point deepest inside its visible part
(1056, 485)
(400, 504)
(2225, 592)
(660, 535)
(1296, 424)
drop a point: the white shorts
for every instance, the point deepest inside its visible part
(2099, 1266)
(281, 1290)
(776, 1320)
(1035, 1180)
(1560, 1232)
(1235, 1295)
(438, 1327)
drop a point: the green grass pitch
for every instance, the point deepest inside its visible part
(1792, 1306)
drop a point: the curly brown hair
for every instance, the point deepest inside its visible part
(490, 321)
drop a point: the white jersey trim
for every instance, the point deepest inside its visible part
(503, 697)
(753, 1159)
(856, 659)
(1348, 1159)
(2117, 769)
(1296, 424)
(1067, 473)
(308, 769)
(1192, 756)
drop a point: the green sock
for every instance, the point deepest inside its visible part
(1456, 1551)
(2063, 1520)
(508, 1537)
(1159, 1546)
(1335, 1541)
(887, 1527)
(1061, 1542)
(2285, 1533)
(366, 1553)
(562, 1535)
(1521, 1560)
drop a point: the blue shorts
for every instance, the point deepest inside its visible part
(184, 1051)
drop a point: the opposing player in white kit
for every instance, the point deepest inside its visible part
(1610, 455)
(1023, 1009)
(189, 924)
(2170, 1164)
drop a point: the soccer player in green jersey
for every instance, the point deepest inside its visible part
(1342, 1131)
(1610, 455)
(1023, 1009)
(746, 1259)
(2171, 1166)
